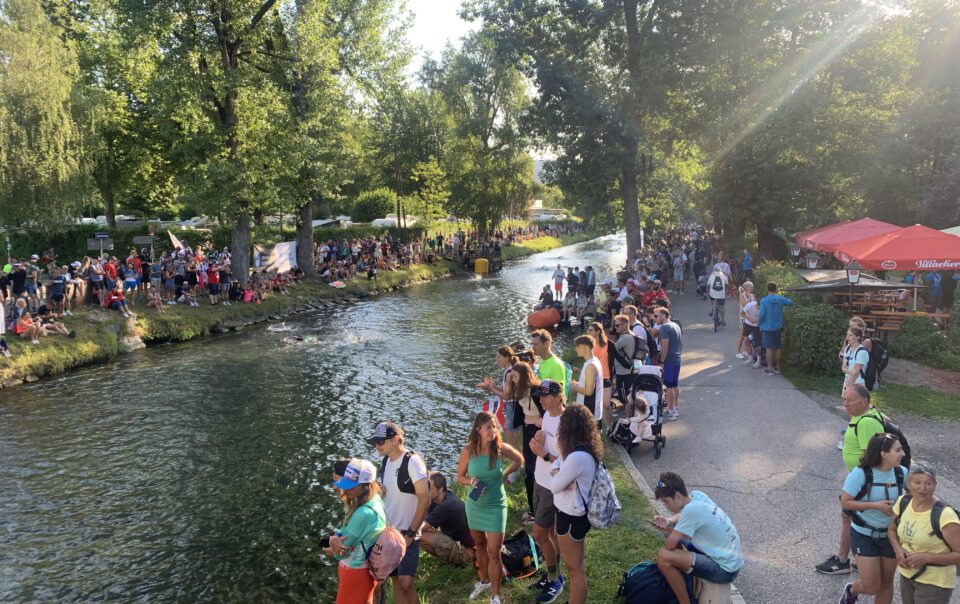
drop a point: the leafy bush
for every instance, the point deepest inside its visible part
(919, 338)
(785, 277)
(811, 334)
(374, 204)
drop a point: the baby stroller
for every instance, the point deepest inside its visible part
(648, 426)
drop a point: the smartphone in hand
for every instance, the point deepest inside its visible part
(478, 490)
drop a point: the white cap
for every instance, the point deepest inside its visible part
(359, 471)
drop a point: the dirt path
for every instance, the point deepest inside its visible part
(908, 373)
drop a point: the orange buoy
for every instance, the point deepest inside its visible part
(542, 319)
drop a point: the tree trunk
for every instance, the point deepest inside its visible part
(766, 243)
(240, 260)
(628, 190)
(305, 240)
(109, 205)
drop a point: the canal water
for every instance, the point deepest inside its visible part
(201, 471)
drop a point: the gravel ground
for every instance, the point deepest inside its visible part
(767, 454)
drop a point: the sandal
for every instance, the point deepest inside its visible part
(527, 518)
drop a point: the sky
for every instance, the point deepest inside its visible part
(435, 22)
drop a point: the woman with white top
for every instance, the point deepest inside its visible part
(572, 477)
(590, 387)
(746, 297)
(855, 358)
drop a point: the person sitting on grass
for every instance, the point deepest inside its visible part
(48, 320)
(446, 533)
(155, 301)
(115, 301)
(711, 540)
(25, 327)
(189, 296)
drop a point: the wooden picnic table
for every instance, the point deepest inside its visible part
(887, 321)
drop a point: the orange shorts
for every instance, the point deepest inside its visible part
(356, 585)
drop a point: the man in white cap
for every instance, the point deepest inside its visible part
(406, 500)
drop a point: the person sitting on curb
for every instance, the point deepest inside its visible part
(711, 540)
(446, 534)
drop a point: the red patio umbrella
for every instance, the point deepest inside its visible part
(915, 248)
(829, 238)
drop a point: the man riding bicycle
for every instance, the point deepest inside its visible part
(717, 290)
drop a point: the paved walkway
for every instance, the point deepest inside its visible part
(768, 455)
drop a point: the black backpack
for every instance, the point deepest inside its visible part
(645, 584)
(716, 283)
(935, 513)
(521, 556)
(868, 484)
(879, 357)
(890, 428)
(404, 482)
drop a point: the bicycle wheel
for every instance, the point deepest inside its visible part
(716, 320)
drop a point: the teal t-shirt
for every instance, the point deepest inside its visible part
(885, 489)
(366, 524)
(711, 531)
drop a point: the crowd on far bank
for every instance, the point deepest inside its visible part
(38, 295)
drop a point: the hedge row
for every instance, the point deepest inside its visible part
(71, 243)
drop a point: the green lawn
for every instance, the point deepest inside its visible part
(543, 244)
(610, 552)
(915, 400)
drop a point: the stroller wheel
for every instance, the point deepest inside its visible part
(656, 451)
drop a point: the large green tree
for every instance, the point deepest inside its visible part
(42, 177)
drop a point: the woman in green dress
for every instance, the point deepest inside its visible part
(482, 468)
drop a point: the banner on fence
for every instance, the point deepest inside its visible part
(280, 257)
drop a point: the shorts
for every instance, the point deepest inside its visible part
(770, 339)
(671, 375)
(450, 551)
(509, 416)
(748, 273)
(719, 301)
(410, 562)
(31, 288)
(98, 284)
(576, 527)
(678, 275)
(214, 288)
(355, 585)
(707, 569)
(169, 285)
(544, 512)
(869, 547)
(155, 282)
(57, 297)
(108, 283)
(129, 285)
(923, 593)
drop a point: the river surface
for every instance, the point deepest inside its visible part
(201, 471)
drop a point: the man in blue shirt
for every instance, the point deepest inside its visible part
(712, 543)
(747, 264)
(771, 323)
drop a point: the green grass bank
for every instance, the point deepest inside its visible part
(102, 336)
(609, 552)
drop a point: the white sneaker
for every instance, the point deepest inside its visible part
(840, 445)
(478, 588)
(740, 355)
(495, 600)
(756, 365)
(749, 361)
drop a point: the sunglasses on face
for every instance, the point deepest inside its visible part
(379, 441)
